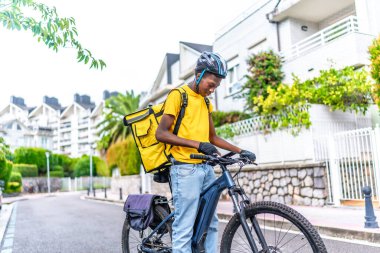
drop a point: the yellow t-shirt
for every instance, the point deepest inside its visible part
(195, 124)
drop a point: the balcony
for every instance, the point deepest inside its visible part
(339, 45)
(309, 10)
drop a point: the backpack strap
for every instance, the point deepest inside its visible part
(182, 111)
(207, 103)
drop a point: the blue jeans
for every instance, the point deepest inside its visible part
(188, 181)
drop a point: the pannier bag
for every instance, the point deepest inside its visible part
(140, 209)
(155, 155)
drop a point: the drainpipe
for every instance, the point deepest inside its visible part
(269, 17)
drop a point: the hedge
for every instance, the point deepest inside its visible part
(15, 183)
(26, 170)
(66, 162)
(125, 156)
(56, 173)
(31, 156)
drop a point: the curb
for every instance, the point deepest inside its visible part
(324, 230)
(103, 199)
(5, 216)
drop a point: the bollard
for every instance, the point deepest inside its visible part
(370, 218)
(94, 192)
(105, 193)
(88, 191)
(121, 193)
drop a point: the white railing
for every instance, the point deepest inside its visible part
(328, 34)
(354, 158)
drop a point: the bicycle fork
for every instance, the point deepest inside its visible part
(240, 209)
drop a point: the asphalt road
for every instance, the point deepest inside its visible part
(66, 223)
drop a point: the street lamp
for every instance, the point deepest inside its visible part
(92, 147)
(48, 171)
(90, 168)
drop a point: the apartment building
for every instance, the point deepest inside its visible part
(18, 131)
(175, 70)
(309, 35)
(69, 130)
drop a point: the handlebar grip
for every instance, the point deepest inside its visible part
(196, 156)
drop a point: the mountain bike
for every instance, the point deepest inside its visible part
(260, 227)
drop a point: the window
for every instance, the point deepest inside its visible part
(233, 78)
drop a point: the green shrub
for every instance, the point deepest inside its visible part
(374, 51)
(26, 170)
(220, 118)
(264, 72)
(13, 187)
(101, 167)
(5, 170)
(125, 156)
(82, 167)
(56, 173)
(66, 162)
(15, 177)
(32, 156)
(57, 168)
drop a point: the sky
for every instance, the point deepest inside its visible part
(132, 37)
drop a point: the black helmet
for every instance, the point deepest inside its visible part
(212, 63)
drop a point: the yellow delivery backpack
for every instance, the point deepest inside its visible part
(155, 155)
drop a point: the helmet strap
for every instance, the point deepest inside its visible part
(198, 81)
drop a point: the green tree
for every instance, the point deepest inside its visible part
(112, 129)
(374, 51)
(54, 31)
(4, 150)
(264, 71)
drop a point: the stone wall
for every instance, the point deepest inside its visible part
(128, 184)
(298, 184)
(39, 184)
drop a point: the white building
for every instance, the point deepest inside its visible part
(18, 130)
(67, 130)
(310, 35)
(175, 70)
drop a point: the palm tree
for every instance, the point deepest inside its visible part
(112, 129)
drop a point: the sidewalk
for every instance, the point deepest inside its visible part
(342, 222)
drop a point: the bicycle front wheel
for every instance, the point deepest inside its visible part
(284, 229)
(131, 240)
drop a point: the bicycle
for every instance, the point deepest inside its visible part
(248, 230)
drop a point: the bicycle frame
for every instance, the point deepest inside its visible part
(207, 205)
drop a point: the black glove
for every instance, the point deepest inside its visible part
(248, 154)
(207, 148)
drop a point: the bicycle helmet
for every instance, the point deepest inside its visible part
(211, 63)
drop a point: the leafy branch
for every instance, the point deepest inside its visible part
(53, 31)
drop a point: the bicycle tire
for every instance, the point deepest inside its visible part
(277, 209)
(126, 244)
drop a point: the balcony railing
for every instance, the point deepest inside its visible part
(330, 33)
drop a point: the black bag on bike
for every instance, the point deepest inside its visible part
(139, 210)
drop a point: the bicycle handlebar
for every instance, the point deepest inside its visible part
(197, 156)
(226, 159)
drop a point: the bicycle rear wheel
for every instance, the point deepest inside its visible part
(284, 229)
(131, 240)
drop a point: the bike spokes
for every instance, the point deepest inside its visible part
(280, 235)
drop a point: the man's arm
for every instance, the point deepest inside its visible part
(163, 134)
(219, 142)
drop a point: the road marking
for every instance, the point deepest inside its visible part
(7, 246)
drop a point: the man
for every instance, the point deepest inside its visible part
(196, 134)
